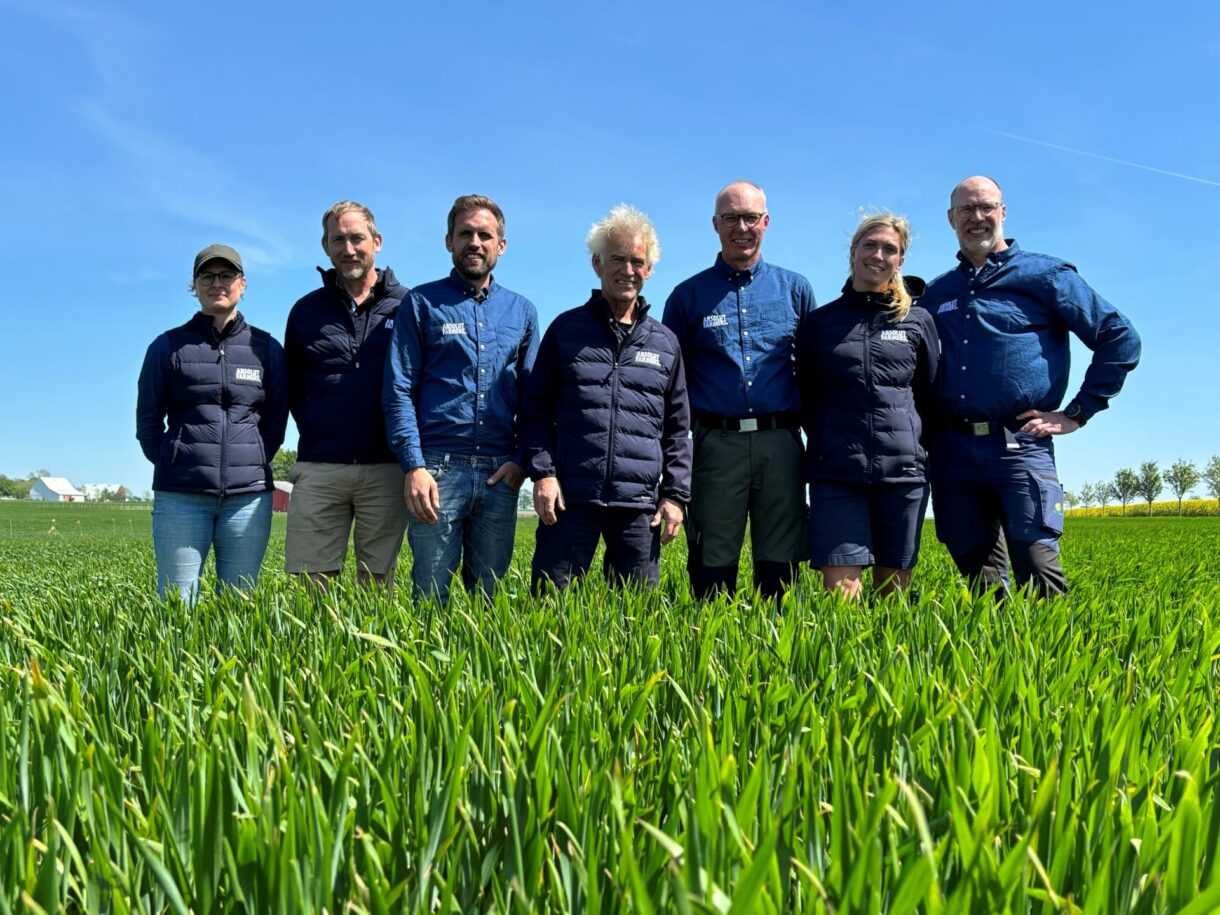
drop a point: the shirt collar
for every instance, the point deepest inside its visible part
(458, 282)
(995, 257)
(733, 275)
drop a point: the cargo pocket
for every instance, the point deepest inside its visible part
(1050, 497)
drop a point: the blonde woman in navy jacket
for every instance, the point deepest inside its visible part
(866, 366)
(211, 413)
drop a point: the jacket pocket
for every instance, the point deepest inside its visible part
(173, 456)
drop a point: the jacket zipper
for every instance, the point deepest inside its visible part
(868, 377)
(614, 381)
(224, 416)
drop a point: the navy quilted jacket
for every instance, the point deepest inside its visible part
(864, 381)
(212, 407)
(335, 363)
(611, 420)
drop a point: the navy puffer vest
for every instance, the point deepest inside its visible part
(213, 407)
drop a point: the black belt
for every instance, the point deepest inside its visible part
(749, 424)
(986, 427)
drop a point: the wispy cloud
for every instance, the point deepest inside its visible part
(108, 36)
(153, 171)
(1103, 158)
(184, 183)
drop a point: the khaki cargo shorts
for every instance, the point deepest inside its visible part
(331, 502)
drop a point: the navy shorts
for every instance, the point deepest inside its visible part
(864, 524)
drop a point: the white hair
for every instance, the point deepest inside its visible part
(624, 221)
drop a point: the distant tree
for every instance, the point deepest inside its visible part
(1150, 482)
(40, 472)
(525, 499)
(282, 463)
(1126, 484)
(12, 489)
(1070, 499)
(1211, 477)
(1182, 477)
(1088, 494)
(1104, 490)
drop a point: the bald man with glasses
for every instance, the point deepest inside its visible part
(736, 322)
(1005, 316)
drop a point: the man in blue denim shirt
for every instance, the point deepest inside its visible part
(462, 352)
(736, 322)
(1004, 317)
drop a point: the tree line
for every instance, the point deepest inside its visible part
(1148, 482)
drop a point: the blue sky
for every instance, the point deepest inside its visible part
(139, 132)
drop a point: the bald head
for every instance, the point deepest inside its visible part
(981, 183)
(741, 221)
(731, 191)
(976, 212)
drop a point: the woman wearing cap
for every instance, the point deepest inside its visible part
(866, 365)
(211, 413)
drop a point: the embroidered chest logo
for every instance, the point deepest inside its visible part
(716, 321)
(950, 305)
(255, 375)
(894, 335)
(452, 328)
(389, 323)
(644, 357)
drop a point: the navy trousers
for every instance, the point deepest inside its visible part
(564, 550)
(1003, 485)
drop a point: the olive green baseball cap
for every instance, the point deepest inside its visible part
(218, 252)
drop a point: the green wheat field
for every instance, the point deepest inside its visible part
(299, 750)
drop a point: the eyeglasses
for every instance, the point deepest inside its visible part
(983, 209)
(733, 220)
(209, 279)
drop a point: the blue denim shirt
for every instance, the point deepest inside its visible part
(456, 371)
(1004, 337)
(737, 329)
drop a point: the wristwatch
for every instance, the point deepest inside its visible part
(1073, 412)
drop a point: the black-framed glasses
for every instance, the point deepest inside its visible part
(983, 209)
(733, 220)
(225, 278)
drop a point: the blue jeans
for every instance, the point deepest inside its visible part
(475, 527)
(186, 524)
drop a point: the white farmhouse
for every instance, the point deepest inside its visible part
(55, 489)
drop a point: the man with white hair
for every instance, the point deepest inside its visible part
(736, 322)
(607, 421)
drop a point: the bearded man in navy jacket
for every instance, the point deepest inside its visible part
(607, 420)
(1004, 316)
(346, 479)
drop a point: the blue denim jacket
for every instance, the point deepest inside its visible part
(1004, 337)
(456, 371)
(737, 330)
